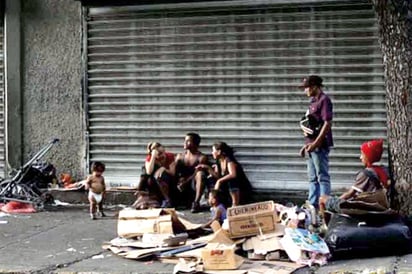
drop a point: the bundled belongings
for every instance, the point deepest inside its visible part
(310, 126)
(27, 184)
(145, 200)
(373, 234)
(299, 217)
(362, 222)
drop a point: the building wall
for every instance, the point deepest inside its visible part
(51, 81)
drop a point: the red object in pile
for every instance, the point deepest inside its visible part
(17, 207)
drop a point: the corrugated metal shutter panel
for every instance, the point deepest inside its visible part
(231, 74)
(2, 108)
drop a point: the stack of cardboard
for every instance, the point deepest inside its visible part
(252, 231)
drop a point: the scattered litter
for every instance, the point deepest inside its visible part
(88, 239)
(118, 205)
(58, 203)
(269, 244)
(21, 216)
(24, 189)
(180, 213)
(3, 214)
(186, 267)
(3, 222)
(18, 207)
(101, 256)
(305, 247)
(71, 249)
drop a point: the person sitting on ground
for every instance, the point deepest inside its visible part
(96, 186)
(186, 173)
(159, 168)
(369, 186)
(228, 172)
(217, 209)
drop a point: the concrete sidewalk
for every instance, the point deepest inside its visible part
(63, 239)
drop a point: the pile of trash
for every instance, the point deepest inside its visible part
(253, 237)
(29, 183)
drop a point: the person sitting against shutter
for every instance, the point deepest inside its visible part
(217, 209)
(368, 191)
(159, 166)
(186, 173)
(227, 172)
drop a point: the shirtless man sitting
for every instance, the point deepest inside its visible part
(186, 173)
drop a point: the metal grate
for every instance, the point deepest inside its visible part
(231, 74)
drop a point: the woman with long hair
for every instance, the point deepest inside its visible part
(227, 172)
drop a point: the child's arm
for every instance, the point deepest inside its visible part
(216, 217)
(85, 183)
(103, 188)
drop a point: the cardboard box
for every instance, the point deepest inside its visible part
(263, 244)
(133, 223)
(217, 256)
(252, 219)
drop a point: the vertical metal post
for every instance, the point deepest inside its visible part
(13, 92)
(85, 104)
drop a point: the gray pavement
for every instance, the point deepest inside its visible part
(64, 240)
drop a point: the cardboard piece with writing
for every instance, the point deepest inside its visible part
(220, 256)
(252, 219)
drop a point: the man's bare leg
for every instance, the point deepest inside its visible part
(200, 187)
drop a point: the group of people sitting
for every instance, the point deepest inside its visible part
(187, 176)
(173, 179)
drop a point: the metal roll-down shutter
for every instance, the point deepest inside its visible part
(230, 73)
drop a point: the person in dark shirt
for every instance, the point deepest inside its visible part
(228, 172)
(317, 141)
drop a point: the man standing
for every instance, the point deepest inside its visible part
(318, 138)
